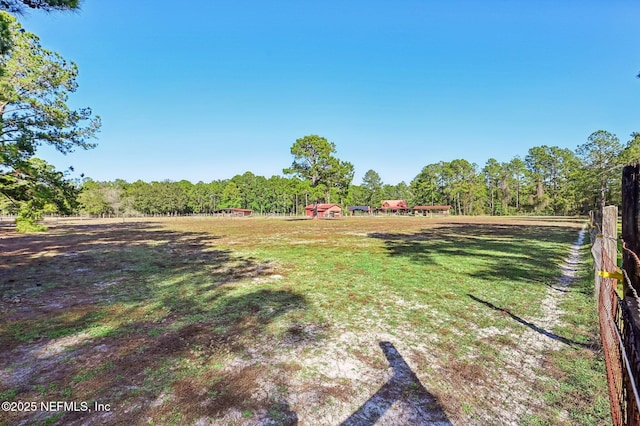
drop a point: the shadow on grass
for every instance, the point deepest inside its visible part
(532, 326)
(499, 252)
(403, 387)
(142, 318)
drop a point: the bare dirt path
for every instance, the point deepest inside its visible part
(523, 364)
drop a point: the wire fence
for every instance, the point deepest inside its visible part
(619, 333)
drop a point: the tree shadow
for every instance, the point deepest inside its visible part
(142, 318)
(530, 325)
(500, 251)
(403, 387)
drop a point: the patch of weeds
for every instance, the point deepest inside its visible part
(161, 377)
(246, 414)
(23, 332)
(51, 420)
(8, 395)
(41, 389)
(533, 420)
(214, 393)
(174, 419)
(60, 332)
(90, 374)
(102, 331)
(67, 392)
(62, 325)
(468, 410)
(155, 332)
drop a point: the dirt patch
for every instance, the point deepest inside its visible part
(514, 385)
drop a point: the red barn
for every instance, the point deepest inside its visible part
(324, 210)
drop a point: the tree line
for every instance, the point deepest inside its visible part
(548, 180)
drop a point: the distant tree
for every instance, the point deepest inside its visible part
(426, 186)
(463, 186)
(631, 151)
(600, 157)
(92, 200)
(314, 161)
(142, 197)
(340, 181)
(357, 196)
(299, 189)
(114, 197)
(372, 186)
(231, 196)
(492, 172)
(537, 161)
(550, 168)
(34, 111)
(278, 191)
(517, 169)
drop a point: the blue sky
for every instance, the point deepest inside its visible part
(214, 88)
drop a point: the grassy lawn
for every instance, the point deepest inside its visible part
(273, 321)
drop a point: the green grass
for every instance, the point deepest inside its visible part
(203, 313)
(578, 387)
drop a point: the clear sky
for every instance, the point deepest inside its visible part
(206, 89)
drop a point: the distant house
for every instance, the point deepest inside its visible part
(324, 210)
(423, 210)
(235, 212)
(354, 209)
(394, 206)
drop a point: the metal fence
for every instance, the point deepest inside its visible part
(619, 333)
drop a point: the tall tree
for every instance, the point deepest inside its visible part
(492, 174)
(463, 186)
(517, 173)
(550, 168)
(600, 157)
(537, 160)
(231, 196)
(426, 186)
(315, 162)
(372, 185)
(631, 151)
(92, 198)
(34, 111)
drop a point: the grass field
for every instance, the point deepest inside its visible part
(281, 322)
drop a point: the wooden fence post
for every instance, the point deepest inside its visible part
(630, 235)
(604, 243)
(610, 238)
(631, 245)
